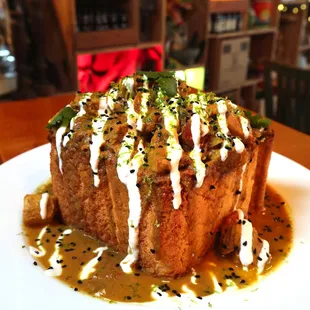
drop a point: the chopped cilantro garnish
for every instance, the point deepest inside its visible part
(166, 81)
(257, 121)
(62, 116)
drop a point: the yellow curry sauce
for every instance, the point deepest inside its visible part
(107, 280)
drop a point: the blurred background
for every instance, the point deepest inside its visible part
(256, 52)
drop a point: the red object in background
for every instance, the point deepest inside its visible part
(262, 11)
(96, 72)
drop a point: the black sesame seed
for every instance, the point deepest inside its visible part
(281, 237)
(242, 281)
(280, 250)
(275, 239)
(254, 252)
(197, 276)
(53, 235)
(50, 268)
(230, 268)
(212, 187)
(132, 170)
(118, 123)
(82, 263)
(224, 246)
(220, 284)
(99, 259)
(152, 251)
(88, 249)
(159, 294)
(239, 222)
(64, 266)
(245, 243)
(259, 258)
(137, 274)
(74, 257)
(238, 192)
(80, 281)
(117, 265)
(178, 294)
(243, 222)
(138, 185)
(128, 297)
(76, 289)
(174, 292)
(35, 263)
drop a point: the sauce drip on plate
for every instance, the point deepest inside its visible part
(105, 279)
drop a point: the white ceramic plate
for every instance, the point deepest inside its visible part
(24, 286)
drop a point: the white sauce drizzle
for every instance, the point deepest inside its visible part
(245, 254)
(59, 134)
(79, 114)
(264, 256)
(222, 109)
(245, 126)
(43, 205)
(143, 107)
(128, 82)
(239, 146)
(174, 150)
(127, 170)
(97, 140)
(195, 154)
(129, 175)
(89, 267)
(41, 250)
(193, 277)
(224, 151)
(56, 269)
(234, 106)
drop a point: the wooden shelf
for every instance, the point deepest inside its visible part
(141, 45)
(304, 48)
(249, 32)
(224, 6)
(292, 2)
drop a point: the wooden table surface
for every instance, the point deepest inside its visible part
(22, 127)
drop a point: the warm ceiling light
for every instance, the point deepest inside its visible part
(303, 6)
(295, 10)
(285, 8)
(309, 19)
(281, 7)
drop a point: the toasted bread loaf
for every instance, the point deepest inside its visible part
(154, 175)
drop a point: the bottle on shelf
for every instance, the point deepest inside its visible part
(228, 22)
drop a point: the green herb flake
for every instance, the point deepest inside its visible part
(63, 116)
(257, 121)
(166, 81)
(209, 305)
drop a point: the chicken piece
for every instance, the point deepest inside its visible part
(39, 209)
(231, 239)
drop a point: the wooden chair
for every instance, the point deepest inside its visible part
(22, 123)
(293, 92)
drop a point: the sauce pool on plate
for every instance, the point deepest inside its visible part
(88, 266)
